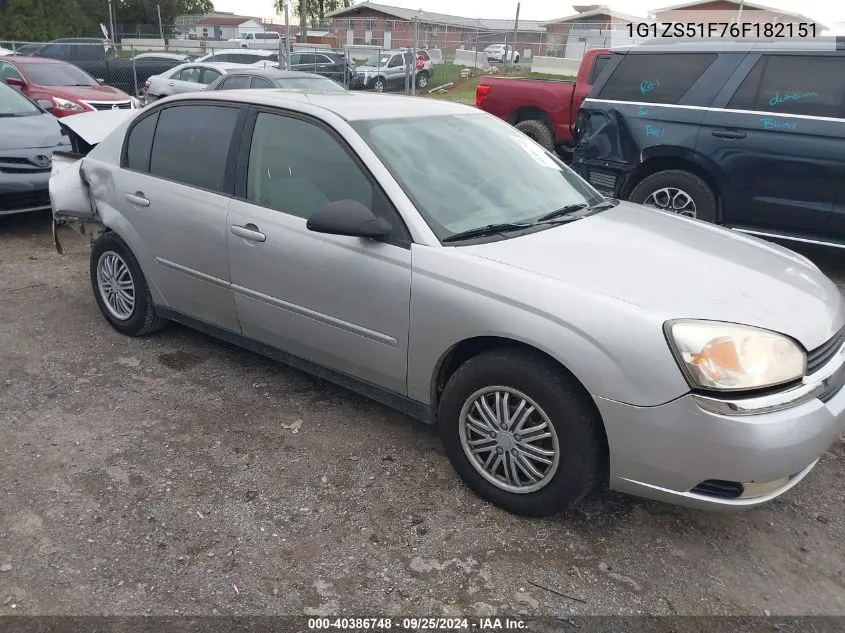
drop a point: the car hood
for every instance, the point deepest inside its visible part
(86, 93)
(27, 132)
(681, 268)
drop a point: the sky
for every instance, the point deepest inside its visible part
(824, 11)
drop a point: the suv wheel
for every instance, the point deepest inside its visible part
(538, 131)
(678, 192)
(120, 289)
(516, 59)
(422, 80)
(521, 432)
(379, 84)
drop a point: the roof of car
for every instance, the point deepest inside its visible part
(217, 65)
(261, 52)
(352, 106)
(270, 73)
(25, 59)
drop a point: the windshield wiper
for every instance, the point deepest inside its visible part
(490, 229)
(572, 208)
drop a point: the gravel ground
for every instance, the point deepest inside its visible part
(179, 474)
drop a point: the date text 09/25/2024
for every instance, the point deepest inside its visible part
(417, 624)
(777, 30)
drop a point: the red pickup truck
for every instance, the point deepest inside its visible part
(545, 110)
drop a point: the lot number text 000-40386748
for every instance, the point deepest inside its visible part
(672, 30)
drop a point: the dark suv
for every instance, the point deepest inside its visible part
(746, 134)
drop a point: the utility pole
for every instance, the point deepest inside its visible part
(111, 23)
(515, 30)
(287, 34)
(303, 21)
(160, 27)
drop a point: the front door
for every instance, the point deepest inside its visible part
(779, 142)
(173, 193)
(342, 302)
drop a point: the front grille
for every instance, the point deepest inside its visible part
(27, 200)
(19, 165)
(819, 357)
(602, 179)
(121, 105)
(719, 488)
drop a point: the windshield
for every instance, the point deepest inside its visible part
(58, 75)
(12, 103)
(311, 83)
(378, 60)
(471, 170)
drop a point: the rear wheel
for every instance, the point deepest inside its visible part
(521, 432)
(679, 192)
(121, 292)
(516, 59)
(422, 80)
(538, 131)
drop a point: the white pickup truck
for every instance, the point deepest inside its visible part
(267, 39)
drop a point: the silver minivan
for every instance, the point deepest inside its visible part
(559, 340)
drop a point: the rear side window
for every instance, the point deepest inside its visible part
(191, 145)
(794, 84)
(601, 62)
(235, 83)
(139, 145)
(655, 77)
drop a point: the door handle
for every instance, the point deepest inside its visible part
(248, 232)
(170, 83)
(728, 133)
(138, 199)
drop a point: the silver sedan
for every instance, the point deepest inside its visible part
(558, 339)
(189, 77)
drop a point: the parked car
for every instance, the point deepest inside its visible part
(6, 51)
(98, 58)
(329, 64)
(238, 56)
(275, 78)
(267, 39)
(388, 69)
(190, 77)
(28, 137)
(558, 339)
(69, 89)
(178, 57)
(544, 110)
(501, 53)
(749, 136)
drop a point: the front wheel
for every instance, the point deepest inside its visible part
(379, 85)
(521, 432)
(120, 290)
(677, 191)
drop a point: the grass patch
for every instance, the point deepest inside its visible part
(463, 90)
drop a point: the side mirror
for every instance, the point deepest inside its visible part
(45, 104)
(350, 218)
(15, 82)
(101, 81)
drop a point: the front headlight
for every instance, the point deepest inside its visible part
(730, 357)
(65, 104)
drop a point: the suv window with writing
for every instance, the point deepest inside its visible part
(297, 167)
(139, 144)
(655, 77)
(794, 84)
(192, 144)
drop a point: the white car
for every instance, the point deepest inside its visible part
(268, 40)
(190, 77)
(179, 57)
(496, 52)
(240, 56)
(6, 51)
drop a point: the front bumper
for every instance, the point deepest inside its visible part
(687, 453)
(24, 192)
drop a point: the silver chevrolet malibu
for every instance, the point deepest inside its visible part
(433, 258)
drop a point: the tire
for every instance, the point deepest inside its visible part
(675, 186)
(142, 318)
(422, 80)
(570, 419)
(538, 131)
(379, 84)
(516, 59)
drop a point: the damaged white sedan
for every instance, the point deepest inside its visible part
(559, 339)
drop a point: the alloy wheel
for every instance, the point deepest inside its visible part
(673, 200)
(116, 286)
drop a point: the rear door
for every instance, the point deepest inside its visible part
(173, 191)
(777, 136)
(187, 80)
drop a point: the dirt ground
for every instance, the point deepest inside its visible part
(180, 475)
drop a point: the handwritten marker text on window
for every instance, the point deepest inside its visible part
(774, 124)
(648, 85)
(651, 130)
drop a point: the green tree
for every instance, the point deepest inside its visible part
(317, 9)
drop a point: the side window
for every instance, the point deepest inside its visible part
(322, 59)
(297, 167)
(295, 57)
(139, 144)
(260, 82)
(190, 74)
(243, 58)
(655, 77)
(395, 61)
(7, 70)
(794, 84)
(307, 58)
(598, 67)
(235, 82)
(55, 51)
(209, 75)
(191, 145)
